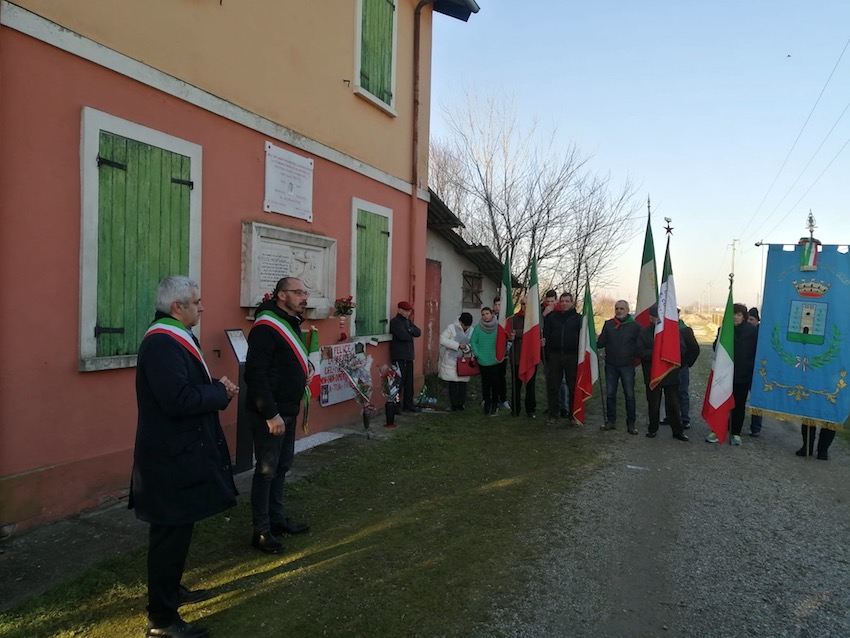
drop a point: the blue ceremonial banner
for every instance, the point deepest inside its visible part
(803, 352)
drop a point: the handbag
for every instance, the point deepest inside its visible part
(467, 367)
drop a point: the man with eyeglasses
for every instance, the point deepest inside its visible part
(276, 373)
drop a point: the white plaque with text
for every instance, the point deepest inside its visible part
(289, 183)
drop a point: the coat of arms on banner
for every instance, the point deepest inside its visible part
(801, 358)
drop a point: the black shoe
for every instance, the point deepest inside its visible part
(665, 421)
(686, 425)
(531, 415)
(681, 437)
(823, 456)
(192, 596)
(288, 526)
(179, 629)
(267, 543)
(802, 452)
(564, 413)
(652, 435)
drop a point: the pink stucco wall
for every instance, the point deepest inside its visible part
(66, 436)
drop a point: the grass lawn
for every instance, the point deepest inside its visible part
(419, 535)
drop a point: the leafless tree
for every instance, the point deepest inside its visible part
(519, 194)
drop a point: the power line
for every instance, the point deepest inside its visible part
(797, 139)
(817, 179)
(805, 168)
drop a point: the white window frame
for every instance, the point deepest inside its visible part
(376, 209)
(93, 122)
(358, 39)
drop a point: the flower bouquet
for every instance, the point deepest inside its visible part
(357, 371)
(343, 307)
(391, 389)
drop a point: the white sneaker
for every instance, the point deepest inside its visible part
(506, 405)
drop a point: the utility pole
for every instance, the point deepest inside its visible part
(760, 244)
(734, 244)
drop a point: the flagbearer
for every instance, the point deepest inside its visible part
(181, 468)
(669, 384)
(276, 376)
(619, 338)
(517, 323)
(744, 361)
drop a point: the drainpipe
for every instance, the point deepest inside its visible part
(414, 165)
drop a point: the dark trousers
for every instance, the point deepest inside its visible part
(167, 550)
(825, 440)
(406, 394)
(530, 393)
(560, 365)
(274, 456)
(736, 415)
(671, 405)
(503, 380)
(614, 376)
(457, 394)
(490, 386)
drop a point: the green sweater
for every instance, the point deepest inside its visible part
(484, 346)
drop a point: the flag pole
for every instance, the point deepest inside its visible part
(729, 419)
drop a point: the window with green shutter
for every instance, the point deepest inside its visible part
(377, 48)
(372, 254)
(141, 223)
(143, 236)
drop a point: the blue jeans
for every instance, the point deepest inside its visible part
(613, 376)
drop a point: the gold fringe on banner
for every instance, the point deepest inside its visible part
(796, 418)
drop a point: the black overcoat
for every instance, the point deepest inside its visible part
(181, 469)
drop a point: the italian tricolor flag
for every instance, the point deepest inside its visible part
(666, 352)
(313, 362)
(506, 295)
(719, 399)
(530, 355)
(648, 280)
(588, 361)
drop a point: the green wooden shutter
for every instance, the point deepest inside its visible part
(373, 249)
(143, 236)
(376, 48)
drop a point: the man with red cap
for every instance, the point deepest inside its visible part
(403, 331)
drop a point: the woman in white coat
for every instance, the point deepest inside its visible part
(454, 343)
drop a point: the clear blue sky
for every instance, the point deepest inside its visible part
(698, 102)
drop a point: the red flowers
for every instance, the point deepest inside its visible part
(344, 306)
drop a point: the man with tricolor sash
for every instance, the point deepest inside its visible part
(277, 371)
(181, 462)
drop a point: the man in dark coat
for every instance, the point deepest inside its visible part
(181, 470)
(561, 330)
(669, 385)
(276, 374)
(619, 338)
(403, 331)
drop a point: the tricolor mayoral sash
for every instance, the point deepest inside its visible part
(802, 356)
(295, 341)
(181, 334)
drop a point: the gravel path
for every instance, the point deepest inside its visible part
(691, 539)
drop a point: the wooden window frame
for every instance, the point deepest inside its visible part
(93, 122)
(469, 289)
(376, 209)
(358, 88)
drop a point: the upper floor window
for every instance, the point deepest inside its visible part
(376, 59)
